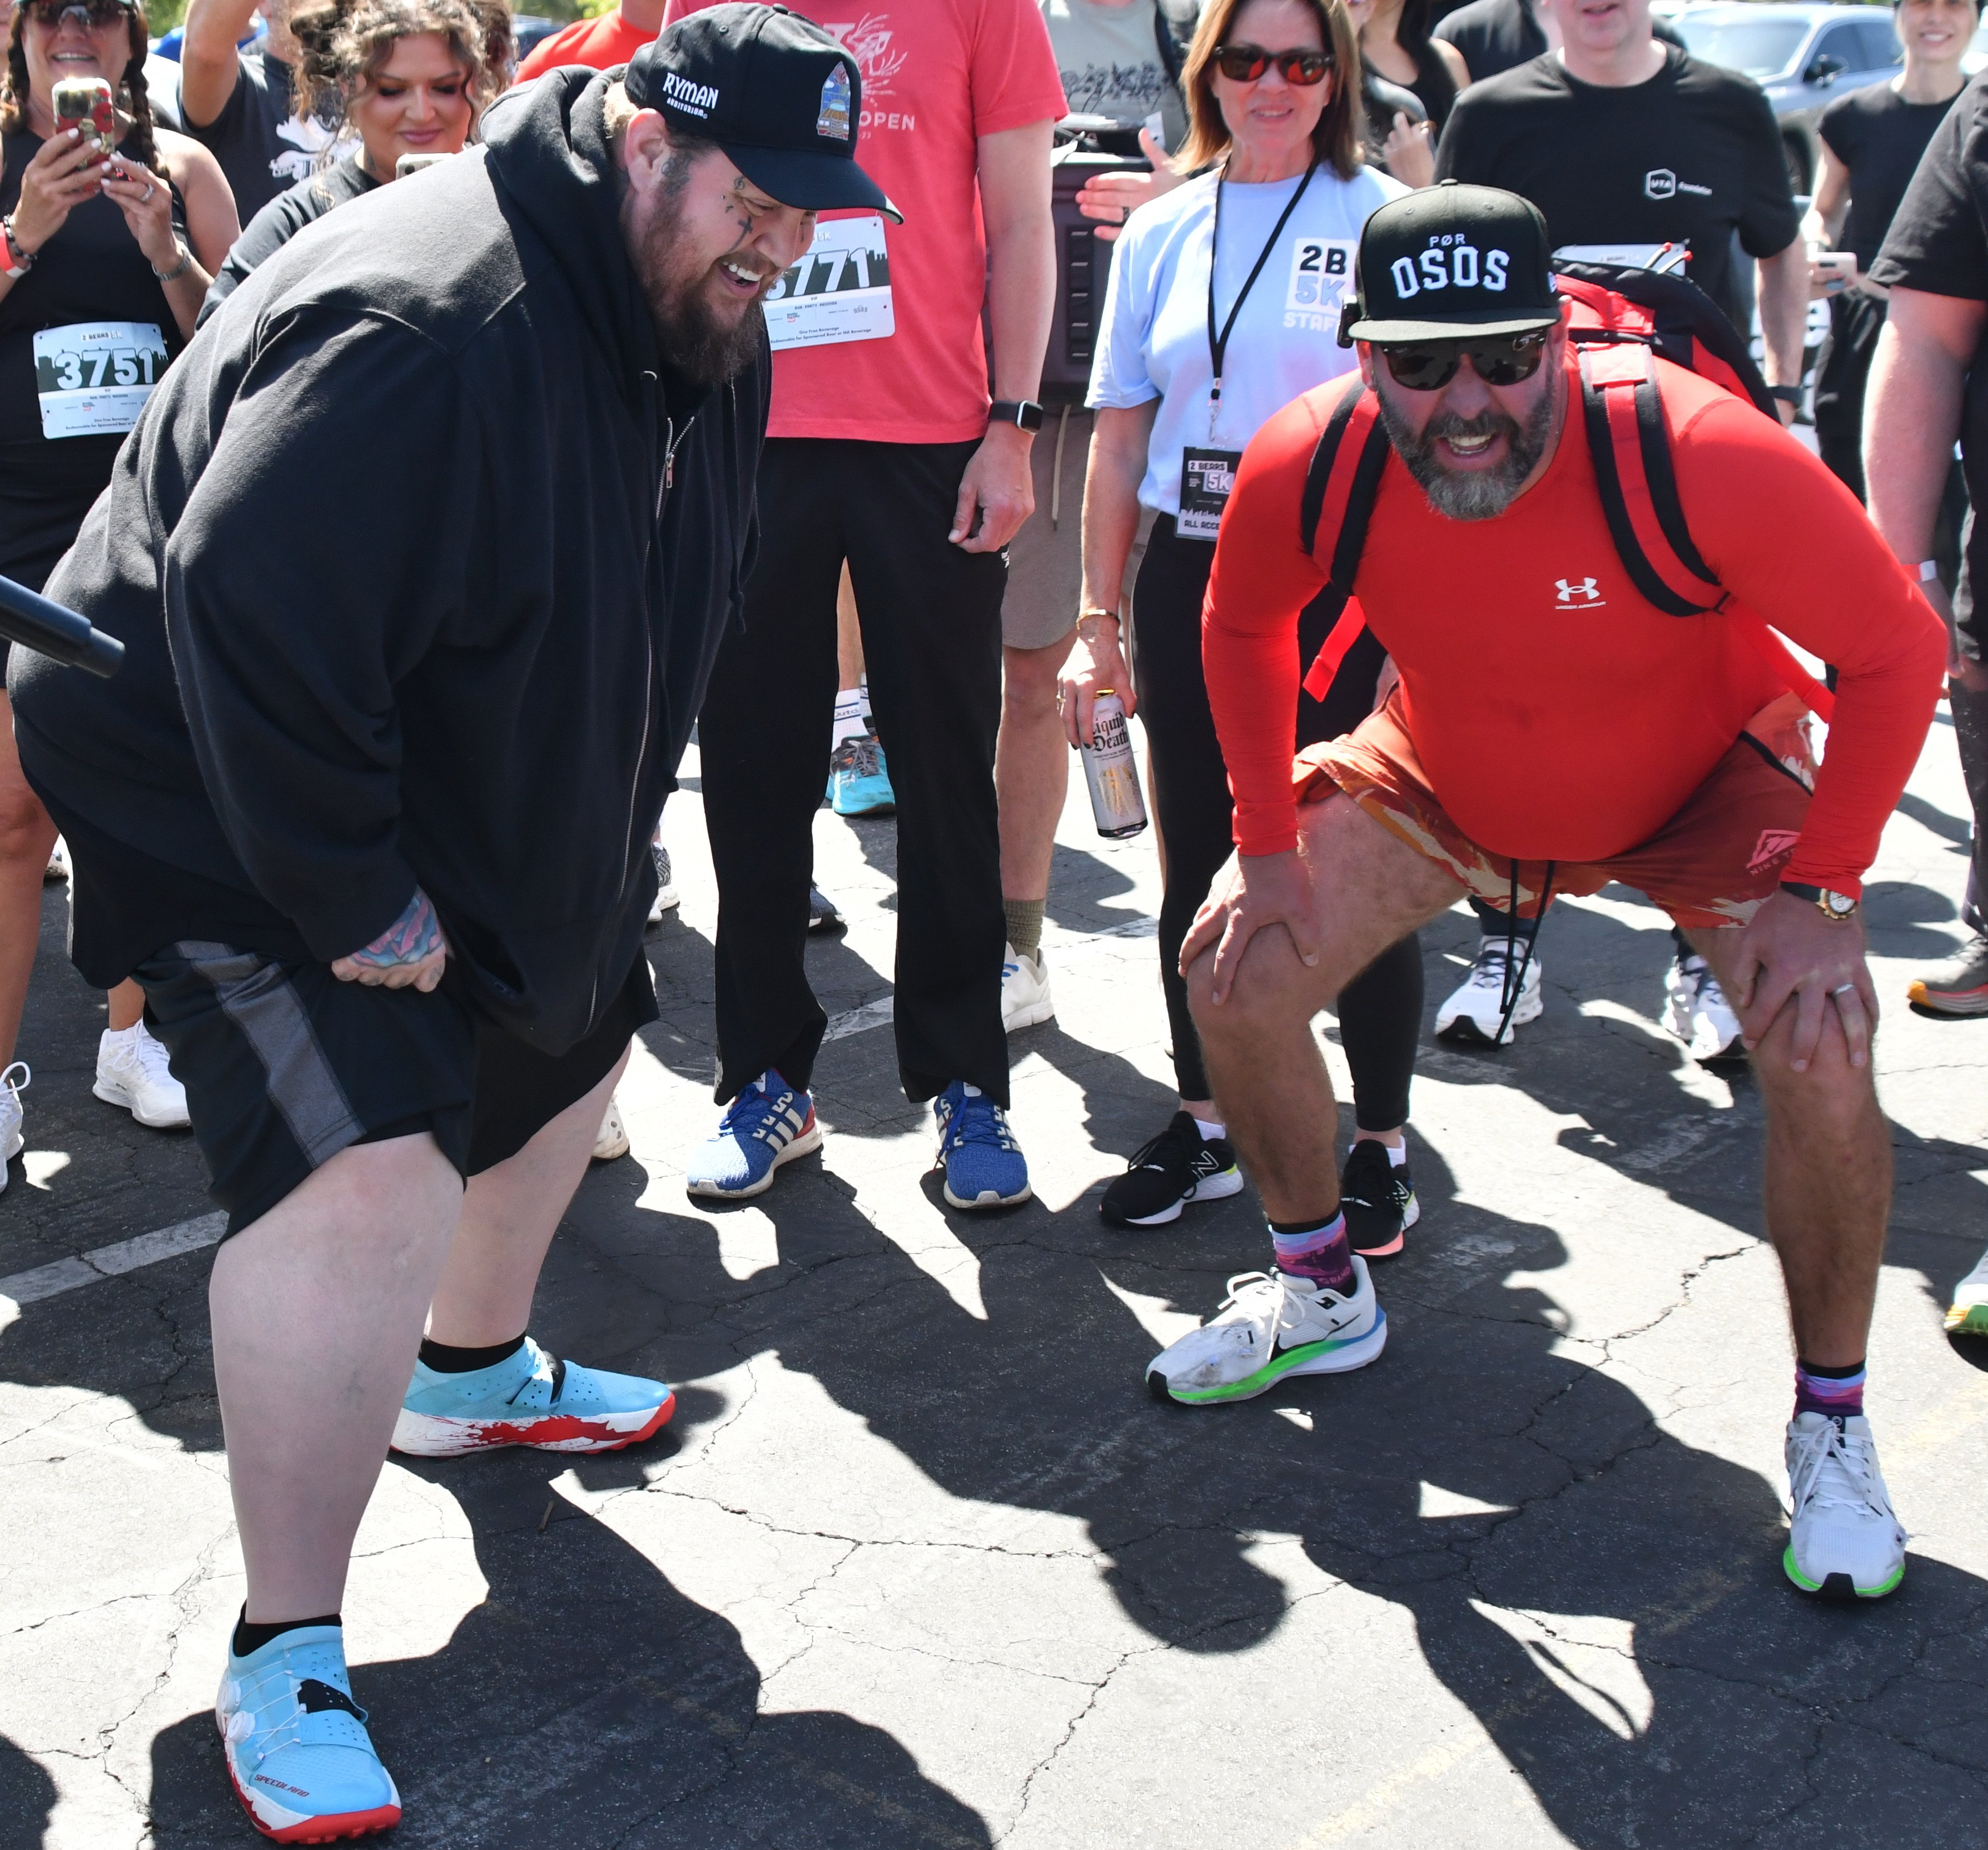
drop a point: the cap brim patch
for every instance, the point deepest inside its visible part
(811, 182)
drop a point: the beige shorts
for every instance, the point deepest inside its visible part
(1046, 559)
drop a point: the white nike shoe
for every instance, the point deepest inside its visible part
(58, 866)
(1843, 1542)
(1476, 1006)
(11, 1141)
(1269, 1327)
(1025, 990)
(132, 1071)
(1967, 1314)
(667, 898)
(613, 1141)
(1696, 1009)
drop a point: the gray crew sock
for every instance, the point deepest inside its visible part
(1025, 924)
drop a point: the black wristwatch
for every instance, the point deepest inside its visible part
(1838, 908)
(1024, 413)
(1786, 394)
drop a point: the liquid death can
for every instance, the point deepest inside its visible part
(1108, 763)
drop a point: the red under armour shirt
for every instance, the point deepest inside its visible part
(1559, 716)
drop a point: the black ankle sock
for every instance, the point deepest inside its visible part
(445, 1360)
(1305, 1226)
(249, 1638)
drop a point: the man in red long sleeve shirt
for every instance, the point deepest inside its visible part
(1553, 731)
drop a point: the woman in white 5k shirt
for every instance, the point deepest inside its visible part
(1273, 89)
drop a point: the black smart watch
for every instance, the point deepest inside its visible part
(1786, 394)
(1024, 413)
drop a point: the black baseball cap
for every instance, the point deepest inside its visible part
(1451, 260)
(777, 92)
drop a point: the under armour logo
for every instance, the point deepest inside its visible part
(1578, 592)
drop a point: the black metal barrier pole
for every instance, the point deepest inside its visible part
(29, 618)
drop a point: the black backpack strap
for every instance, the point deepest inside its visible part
(1624, 413)
(1341, 486)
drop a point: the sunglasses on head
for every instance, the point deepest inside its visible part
(1246, 63)
(1428, 366)
(97, 12)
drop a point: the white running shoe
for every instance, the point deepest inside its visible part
(1025, 990)
(1477, 1005)
(1844, 1541)
(11, 1141)
(613, 1141)
(132, 1071)
(1696, 1009)
(58, 867)
(667, 898)
(1967, 1315)
(1269, 1327)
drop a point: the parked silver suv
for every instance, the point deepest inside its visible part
(1804, 58)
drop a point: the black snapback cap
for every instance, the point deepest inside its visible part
(777, 92)
(1450, 261)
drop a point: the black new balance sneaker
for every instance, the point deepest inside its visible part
(1378, 1199)
(1178, 1166)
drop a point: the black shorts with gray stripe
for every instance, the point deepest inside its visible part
(284, 1066)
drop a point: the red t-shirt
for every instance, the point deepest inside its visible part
(1559, 716)
(602, 43)
(937, 75)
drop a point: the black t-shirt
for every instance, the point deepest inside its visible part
(91, 275)
(1689, 157)
(1938, 243)
(280, 221)
(1495, 36)
(1878, 136)
(260, 145)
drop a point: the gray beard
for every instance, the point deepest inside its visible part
(1477, 494)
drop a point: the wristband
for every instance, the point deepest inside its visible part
(1786, 394)
(15, 260)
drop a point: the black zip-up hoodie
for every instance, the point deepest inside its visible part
(410, 587)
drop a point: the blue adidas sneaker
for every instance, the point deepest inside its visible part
(767, 1124)
(984, 1165)
(297, 1749)
(528, 1399)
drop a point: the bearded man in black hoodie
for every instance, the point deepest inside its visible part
(421, 557)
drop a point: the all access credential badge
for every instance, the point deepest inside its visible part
(834, 121)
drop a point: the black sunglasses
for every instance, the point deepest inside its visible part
(1428, 366)
(98, 12)
(1246, 63)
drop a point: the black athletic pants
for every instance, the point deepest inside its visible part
(1842, 374)
(932, 644)
(1381, 1011)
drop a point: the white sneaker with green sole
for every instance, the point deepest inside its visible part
(1271, 1327)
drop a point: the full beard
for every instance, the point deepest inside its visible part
(1473, 494)
(698, 338)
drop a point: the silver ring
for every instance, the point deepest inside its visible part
(148, 192)
(1843, 988)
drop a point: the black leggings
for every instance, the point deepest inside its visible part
(1381, 1010)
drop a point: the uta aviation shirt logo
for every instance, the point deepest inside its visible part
(1578, 594)
(1449, 263)
(693, 99)
(1660, 183)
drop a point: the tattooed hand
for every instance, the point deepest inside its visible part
(411, 950)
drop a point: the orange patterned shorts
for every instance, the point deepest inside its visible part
(1711, 864)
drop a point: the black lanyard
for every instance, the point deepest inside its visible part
(1218, 344)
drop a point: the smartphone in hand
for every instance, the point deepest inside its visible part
(87, 104)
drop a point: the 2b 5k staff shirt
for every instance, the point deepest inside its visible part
(1689, 157)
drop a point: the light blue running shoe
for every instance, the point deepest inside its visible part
(528, 1399)
(767, 1124)
(859, 781)
(984, 1165)
(302, 1764)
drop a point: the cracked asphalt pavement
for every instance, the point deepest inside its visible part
(920, 1562)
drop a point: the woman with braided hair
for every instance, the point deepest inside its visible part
(105, 253)
(402, 77)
